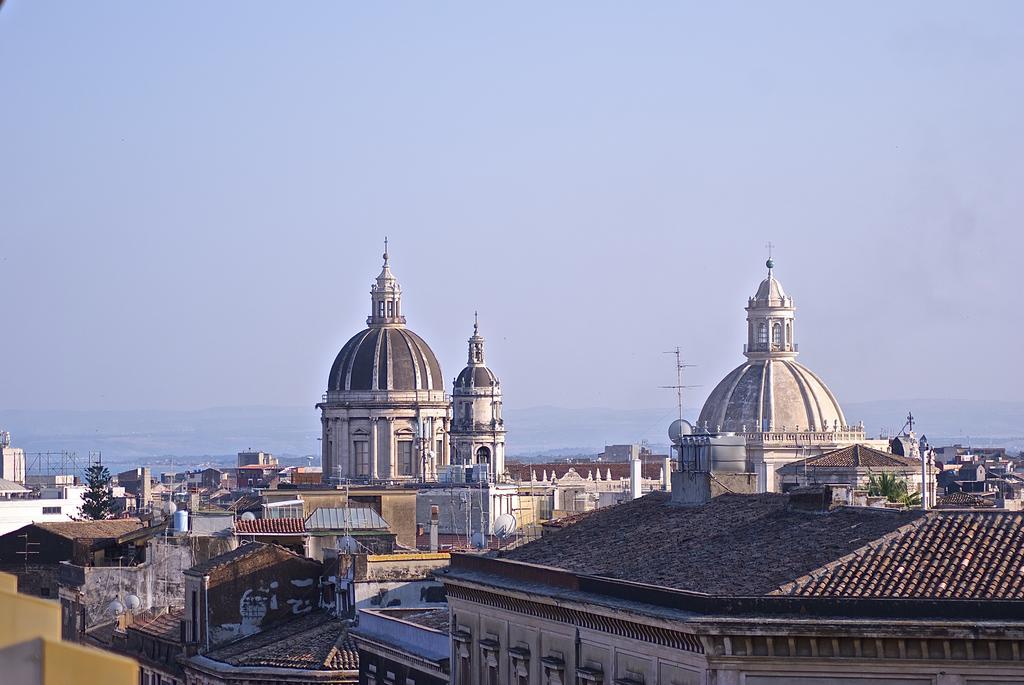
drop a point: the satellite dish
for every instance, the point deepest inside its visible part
(248, 516)
(132, 602)
(678, 429)
(504, 525)
(116, 608)
(170, 508)
(348, 545)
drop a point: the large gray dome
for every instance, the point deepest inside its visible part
(385, 358)
(771, 394)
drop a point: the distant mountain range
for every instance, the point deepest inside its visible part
(174, 439)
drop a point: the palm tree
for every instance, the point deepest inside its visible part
(893, 488)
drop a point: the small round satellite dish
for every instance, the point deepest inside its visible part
(479, 540)
(678, 429)
(115, 608)
(132, 602)
(170, 508)
(347, 545)
(504, 525)
(248, 516)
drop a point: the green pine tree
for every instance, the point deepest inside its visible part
(97, 500)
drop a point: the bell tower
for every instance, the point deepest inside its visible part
(770, 320)
(386, 298)
(478, 429)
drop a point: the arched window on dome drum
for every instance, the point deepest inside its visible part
(391, 308)
(483, 456)
(762, 334)
(777, 335)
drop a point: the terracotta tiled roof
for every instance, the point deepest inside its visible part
(166, 626)
(566, 521)
(243, 551)
(620, 470)
(860, 456)
(450, 541)
(281, 526)
(430, 618)
(964, 500)
(314, 641)
(946, 555)
(735, 544)
(85, 530)
(247, 503)
(436, 619)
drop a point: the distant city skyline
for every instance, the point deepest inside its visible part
(199, 228)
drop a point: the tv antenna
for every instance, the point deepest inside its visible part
(678, 387)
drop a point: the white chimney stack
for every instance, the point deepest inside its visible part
(635, 478)
(434, 515)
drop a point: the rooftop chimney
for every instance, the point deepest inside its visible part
(635, 479)
(433, 527)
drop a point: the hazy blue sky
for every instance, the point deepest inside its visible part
(193, 195)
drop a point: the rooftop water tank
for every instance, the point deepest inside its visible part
(180, 521)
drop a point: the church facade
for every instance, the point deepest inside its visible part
(386, 415)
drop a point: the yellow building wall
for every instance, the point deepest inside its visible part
(24, 618)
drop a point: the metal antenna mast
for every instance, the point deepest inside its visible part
(678, 387)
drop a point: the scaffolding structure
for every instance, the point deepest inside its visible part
(63, 463)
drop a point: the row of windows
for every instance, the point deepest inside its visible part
(388, 306)
(762, 334)
(406, 457)
(553, 669)
(149, 678)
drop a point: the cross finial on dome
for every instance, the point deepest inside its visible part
(385, 250)
(770, 263)
(476, 323)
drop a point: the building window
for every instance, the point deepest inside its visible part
(777, 335)
(391, 308)
(380, 308)
(362, 452)
(762, 333)
(483, 456)
(463, 639)
(51, 510)
(520, 657)
(554, 670)
(465, 412)
(489, 646)
(405, 457)
(440, 449)
(195, 616)
(589, 675)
